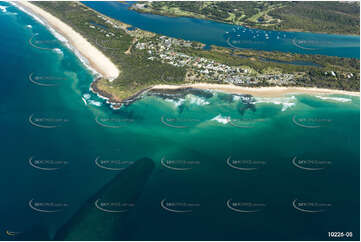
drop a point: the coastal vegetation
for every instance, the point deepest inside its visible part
(146, 59)
(316, 16)
(115, 41)
(313, 16)
(318, 70)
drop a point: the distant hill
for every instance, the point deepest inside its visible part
(323, 17)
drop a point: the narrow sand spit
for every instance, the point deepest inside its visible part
(97, 60)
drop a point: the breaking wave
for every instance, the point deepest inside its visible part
(337, 99)
(86, 96)
(175, 102)
(61, 38)
(221, 119)
(192, 99)
(3, 9)
(58, 51)
(28, 13)
(189, 99)
(286, 102)
(236, 98)
(95, 103)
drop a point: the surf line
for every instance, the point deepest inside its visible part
(84, 100)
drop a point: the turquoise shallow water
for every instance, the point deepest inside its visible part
(274, 169)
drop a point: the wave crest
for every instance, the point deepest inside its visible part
(58, 51)
(221, 119)
(3, 8)
(337, 99)
(192, 99)
(286, 102)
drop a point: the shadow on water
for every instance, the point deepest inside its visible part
(104, 215)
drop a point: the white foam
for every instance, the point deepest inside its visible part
(84, 100)
(286, 102)
(196, 100)
(220, 119)
(285, 106)
(3, 8)
(95, 103)
(28, 13)
(337, 99)
(176, 103)
(214, 93)
(86, 96)
(243, 98)
(82, 59)
(236, 98)
(29, 26)
(100, 96)
(61, 38)
(58, 51)
(115, 106)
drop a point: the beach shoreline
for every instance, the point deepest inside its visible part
(257, 91)
(103, 65)
(95, 58)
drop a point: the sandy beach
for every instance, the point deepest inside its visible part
(103, 65)
(258, 91)
(97, 60)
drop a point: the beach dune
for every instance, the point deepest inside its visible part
(97, 60)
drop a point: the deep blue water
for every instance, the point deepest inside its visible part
(269, 135)
(215, 33)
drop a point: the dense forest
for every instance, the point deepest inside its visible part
(329, 17)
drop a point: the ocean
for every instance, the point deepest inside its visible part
(227, 167)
